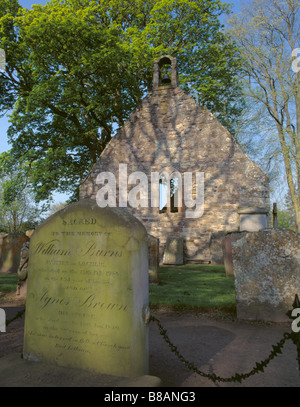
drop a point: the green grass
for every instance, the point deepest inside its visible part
(193, 286)
(8, 283)
(188, 287)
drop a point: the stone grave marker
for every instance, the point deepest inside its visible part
(153, 247)
(11, 246)
(266, 266)
(173, 253)
(87, 294)
(23, 271)
(227, 250)
(253, 219)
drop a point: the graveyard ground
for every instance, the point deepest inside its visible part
(212, 338)
(204, 287)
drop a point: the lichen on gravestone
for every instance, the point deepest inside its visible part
(87, 291)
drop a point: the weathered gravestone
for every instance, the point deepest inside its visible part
(23, 271)
(173, 253)
(11, 246)
(227, 251)
(266, 266)
(87, 295)
(153, 247)
(253, 219)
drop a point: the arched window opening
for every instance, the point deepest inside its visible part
(173, 195)
(166, 74)
(163, 196)
(170, 193)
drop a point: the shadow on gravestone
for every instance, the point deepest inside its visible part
(87, 294)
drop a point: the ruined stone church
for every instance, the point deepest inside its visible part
(170, 135)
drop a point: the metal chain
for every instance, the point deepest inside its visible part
(259, 367)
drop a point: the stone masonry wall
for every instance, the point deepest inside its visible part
(266, 266)
(169, 131)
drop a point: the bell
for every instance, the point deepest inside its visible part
(166, 79)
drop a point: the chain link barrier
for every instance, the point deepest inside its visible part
(238, 377)
(259, 367)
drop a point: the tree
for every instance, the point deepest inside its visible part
(289, 213)
(57, 207)
(18, 212)
(284, 220)
(77, 68)
(268, 32)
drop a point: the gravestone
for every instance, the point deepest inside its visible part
(87, 294)
(153, 248)
(2, 236)
(227, 250)
(216, 248)
(266, 266)
(173, 253)
(23, 271)
(10, 252)
(253, 219)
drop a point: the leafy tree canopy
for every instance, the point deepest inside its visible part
(77, 68)
(18, 211)
(268, 34)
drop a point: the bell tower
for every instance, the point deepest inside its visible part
(165, 72)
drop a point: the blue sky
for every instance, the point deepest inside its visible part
(4, 146)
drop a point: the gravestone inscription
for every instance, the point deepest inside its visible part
(87, 293)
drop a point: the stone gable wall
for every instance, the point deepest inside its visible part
(169, 131)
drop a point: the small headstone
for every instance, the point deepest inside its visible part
(227, 249)
(253, 219)
(87, 294)
(173, 253)
(153, 247)
(10, 252)
(2, 236)
(216, 248)
(266, 267)
(23, 271)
